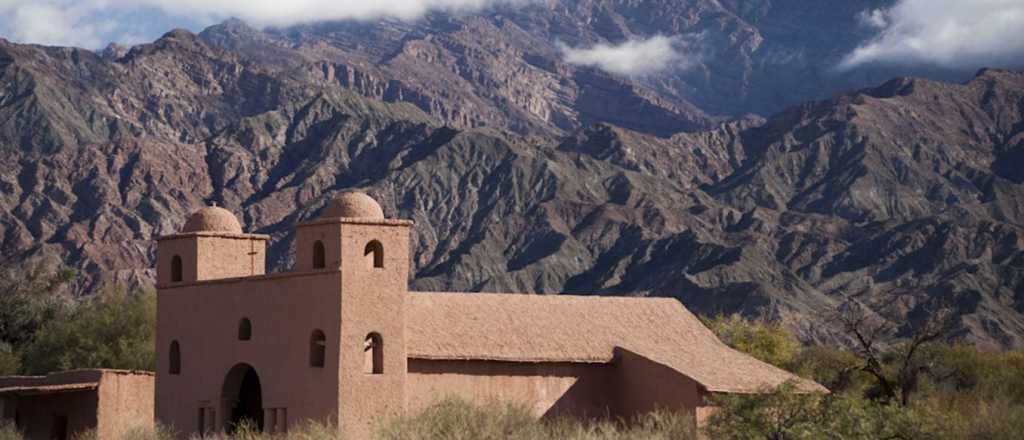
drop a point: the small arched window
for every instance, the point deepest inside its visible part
(174, 358)
(373, 354)
(317, 349)
(319, 259)
(374, 254)
(176, 269)
(244, 329)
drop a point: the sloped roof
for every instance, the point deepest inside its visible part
(565, 328)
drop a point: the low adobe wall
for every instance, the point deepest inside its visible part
(37, 415)
(125, 402)
(62, 405)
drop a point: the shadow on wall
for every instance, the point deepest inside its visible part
(590, 397)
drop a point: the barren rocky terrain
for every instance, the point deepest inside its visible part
(524, 173)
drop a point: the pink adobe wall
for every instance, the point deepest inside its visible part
(548, 389)
(308, 233)
(284, 310)
(36, 413)
(166, 249)
(108, 401)
(642, 386)
(231, 257)
(125, 402)
(372, 301)
(210, 256)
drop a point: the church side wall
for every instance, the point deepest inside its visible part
(283, 310)
(642, 386)
(546, 388)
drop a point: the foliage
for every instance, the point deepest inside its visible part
(771, 343)
(835, 368)
(10, 361)
(113, 329)
(959, 392)
(30, 298)
(898, 370)
(774, 414)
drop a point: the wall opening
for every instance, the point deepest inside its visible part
(176, 269)
(319, 257)
(374, 254)
(373, 354)
(174, 357)
(317, 349)
(243, 396)
(244, 329)
(207, 421)
(59, 430)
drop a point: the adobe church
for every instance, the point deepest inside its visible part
(341, 339)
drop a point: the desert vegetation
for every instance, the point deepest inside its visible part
(44, 329)
(918, 385)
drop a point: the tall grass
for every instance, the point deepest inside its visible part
(459, 420)
(303, 431)
(9, 432)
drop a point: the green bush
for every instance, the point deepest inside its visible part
(770, 343)
(836, 369)
(113, 329)
(773, 414)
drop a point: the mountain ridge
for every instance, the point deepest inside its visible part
(780, 217)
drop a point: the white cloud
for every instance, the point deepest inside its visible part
(874, 18)
(92, 23)
(957, 34)
(632, 57)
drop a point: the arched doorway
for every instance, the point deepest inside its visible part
(243, 398)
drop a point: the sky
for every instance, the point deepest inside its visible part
(957, 34)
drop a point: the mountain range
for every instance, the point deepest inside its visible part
(751, 181)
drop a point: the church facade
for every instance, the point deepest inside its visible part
(340, 339)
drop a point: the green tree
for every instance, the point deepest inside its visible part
(779, 414)
(10, 361)
(768, 342)
(898, 370)
(30, 297)
(112, 329)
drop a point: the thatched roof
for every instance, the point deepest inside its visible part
(564, 328)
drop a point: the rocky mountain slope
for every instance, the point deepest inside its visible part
(505, 66)
(531, 176)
